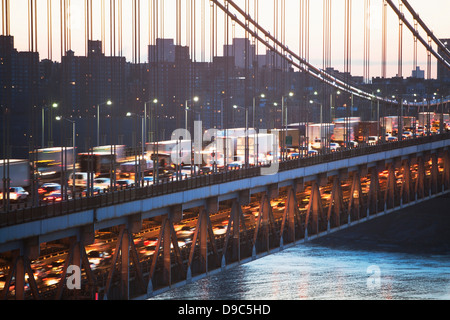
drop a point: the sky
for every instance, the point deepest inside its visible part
(433, 12)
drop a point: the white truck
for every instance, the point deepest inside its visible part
(19, 172)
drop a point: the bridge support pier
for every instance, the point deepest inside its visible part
(355, 203)
(420, 179)
(166, 238)
(76, 257)
(264, 227)
(290, 215)
(124, 248)
(446, 171)
(406, 187)
(336, 205)
(373, 198)
(314, 213)
(434, 188)
(389, 198)
(203, 230)
(20, 266)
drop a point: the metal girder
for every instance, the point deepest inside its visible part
(434, 174)
(203, 230)
(124, 246)
(420, 179)
(389, 198)
(355, 203)
(290, 215)
(406, 187)
(374, 191)
(446, 171)
(235, 221)
(314, 213)
(167, 236)
(336, 204)
(19, 267)
(264, 227)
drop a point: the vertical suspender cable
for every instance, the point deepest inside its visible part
(384, 41)
(400, 43)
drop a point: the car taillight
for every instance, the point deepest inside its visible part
(41, 190)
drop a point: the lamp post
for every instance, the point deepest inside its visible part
(320, 119)
(186, 109)
(108, 103)
(284, 123)
(246, 156)
(255, 139)
(141, 174)
(54, 106)
(73, 152)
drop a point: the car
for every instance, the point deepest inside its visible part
(80, 179)
(16, 194)
(124, 183)
(313, 152)
(371, 140)
(334, 146)
(55, 197)
(317, 144)
(103, 183)
(96, 190)
(47, 188)
(391, 138)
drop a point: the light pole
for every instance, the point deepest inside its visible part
(186, 109)
(141, 174)
(73, 152)
(246, 134)
(54, 106)
(108, 103)
(320, 119)
(284, 123)
(256, 133)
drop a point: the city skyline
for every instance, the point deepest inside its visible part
(427, 11)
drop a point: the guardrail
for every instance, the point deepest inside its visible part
(171, 186)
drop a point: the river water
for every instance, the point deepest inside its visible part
(401, 256)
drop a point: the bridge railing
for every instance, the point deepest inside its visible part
(169, 186)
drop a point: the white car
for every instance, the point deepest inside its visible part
(102, 183)
(334, 146)
(16, 194)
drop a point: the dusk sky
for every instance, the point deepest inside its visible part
(433, 12)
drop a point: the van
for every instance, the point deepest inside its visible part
(80, 179)
(372, 140)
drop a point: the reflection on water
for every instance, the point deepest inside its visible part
(312, 271)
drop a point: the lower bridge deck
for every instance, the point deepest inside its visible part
(136, 264)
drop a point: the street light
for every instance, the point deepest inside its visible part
(108, 103)
(73, 152)
(284, 123)
(255, 139)
(54, 106)
(141, 174)
(186, 109)
(320, 119)
(246, 134)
